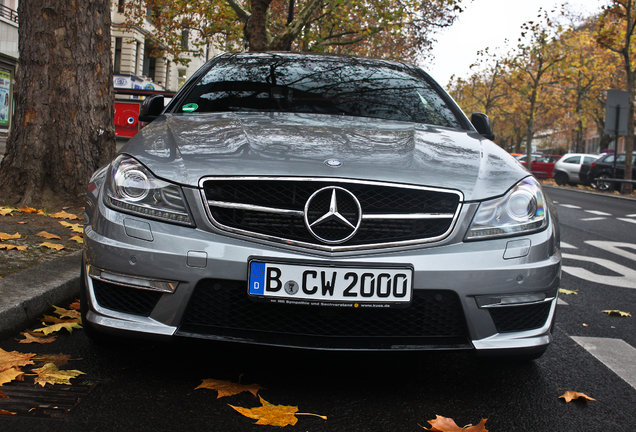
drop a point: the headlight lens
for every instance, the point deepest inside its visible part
(134, 189)
(520, 211)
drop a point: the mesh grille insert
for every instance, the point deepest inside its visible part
(125, 299)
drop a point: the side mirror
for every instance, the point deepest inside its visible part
(482, 124)
(151, 108)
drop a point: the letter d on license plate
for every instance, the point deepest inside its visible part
(330, 285)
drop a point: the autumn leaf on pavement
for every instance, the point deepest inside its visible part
(273, 415)
(14, 359)
(66, 313)
(28, 210)
(228, 388)
(5, 236)
(48, 235)
(444, 424)
(74, 227)
(3, 412)
(64, 215)
(50, 374)
(57, 359)
(68, 325)
(617, 313)
(9, 247)
(571, 395)
(9, 375)
(30, 337)
(567, 292)
(6, 210)
(75, 305)
(2, 396)
(77, 239)
(52, 246)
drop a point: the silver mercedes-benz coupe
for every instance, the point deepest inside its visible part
(321, 202)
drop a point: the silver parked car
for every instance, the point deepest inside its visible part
(320, 202)
(566, 170)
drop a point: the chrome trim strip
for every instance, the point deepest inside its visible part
(499, 305)
(252, 207)
(410, 216)
(327, 248)
(120, 279)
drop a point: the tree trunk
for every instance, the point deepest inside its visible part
(63, 124)
(256, 26)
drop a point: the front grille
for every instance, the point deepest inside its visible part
(222, 307)
(520, 318)
(276, 208)
(125, 299)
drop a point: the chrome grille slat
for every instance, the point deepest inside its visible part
(273, 209)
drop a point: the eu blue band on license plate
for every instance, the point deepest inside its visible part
(329, 285)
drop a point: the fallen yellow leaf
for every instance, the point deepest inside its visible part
(67, 313)
(52, 246)
(4, 236)
(571, 395)
(444, 424)
(617, 312)
(77, 239)
(567, 292)
(3, 412)
(10, 247)
(10, 359)
(64, 215)
(68, 325)
(30, 337)
(50, 374)
(273, 415)
(48, 235)
(74, 227)
(9, 375)
(6, 210)
(228, 388)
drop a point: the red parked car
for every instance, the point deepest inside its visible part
(543, 166)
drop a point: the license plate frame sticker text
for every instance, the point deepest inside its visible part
(316, 285)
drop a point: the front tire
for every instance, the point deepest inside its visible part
(561, 178)
(604, 186)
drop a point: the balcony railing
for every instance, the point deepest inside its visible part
(8, 13)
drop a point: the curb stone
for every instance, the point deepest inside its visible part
(25, 296)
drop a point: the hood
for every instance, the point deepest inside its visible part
(185, 148)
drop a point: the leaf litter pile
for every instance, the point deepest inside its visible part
(29, 236)
(22, 373)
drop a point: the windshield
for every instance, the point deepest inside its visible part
(315, 85)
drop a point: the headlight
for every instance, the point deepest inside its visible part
(132, 188)
(520, 211)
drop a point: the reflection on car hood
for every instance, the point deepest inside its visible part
(185, 148)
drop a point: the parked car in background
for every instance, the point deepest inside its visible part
(603, 168)
(566, 170)
(324, 202)
(543, 165)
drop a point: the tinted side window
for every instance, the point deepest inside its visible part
(589, 159)
(320, 86)
(572, 160)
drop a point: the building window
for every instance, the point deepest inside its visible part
(117, 62)
(137, 57)
(121, 4)
(185, 36)
(181, 79)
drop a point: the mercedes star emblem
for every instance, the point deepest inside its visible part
(333, 215)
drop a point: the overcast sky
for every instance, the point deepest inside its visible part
(487, 23)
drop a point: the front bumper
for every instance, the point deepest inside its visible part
(503, 291)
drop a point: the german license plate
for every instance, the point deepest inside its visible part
(332, 285)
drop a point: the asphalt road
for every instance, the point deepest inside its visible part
(144, 386)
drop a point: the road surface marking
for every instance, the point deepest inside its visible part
(615, 248)
(593, 219)
(567, 246)
(616, 354)
(626, 280)
(599, 213)
(632, 215)
(627, 220)
(570, 206)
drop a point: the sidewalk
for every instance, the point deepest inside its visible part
(25, 296)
